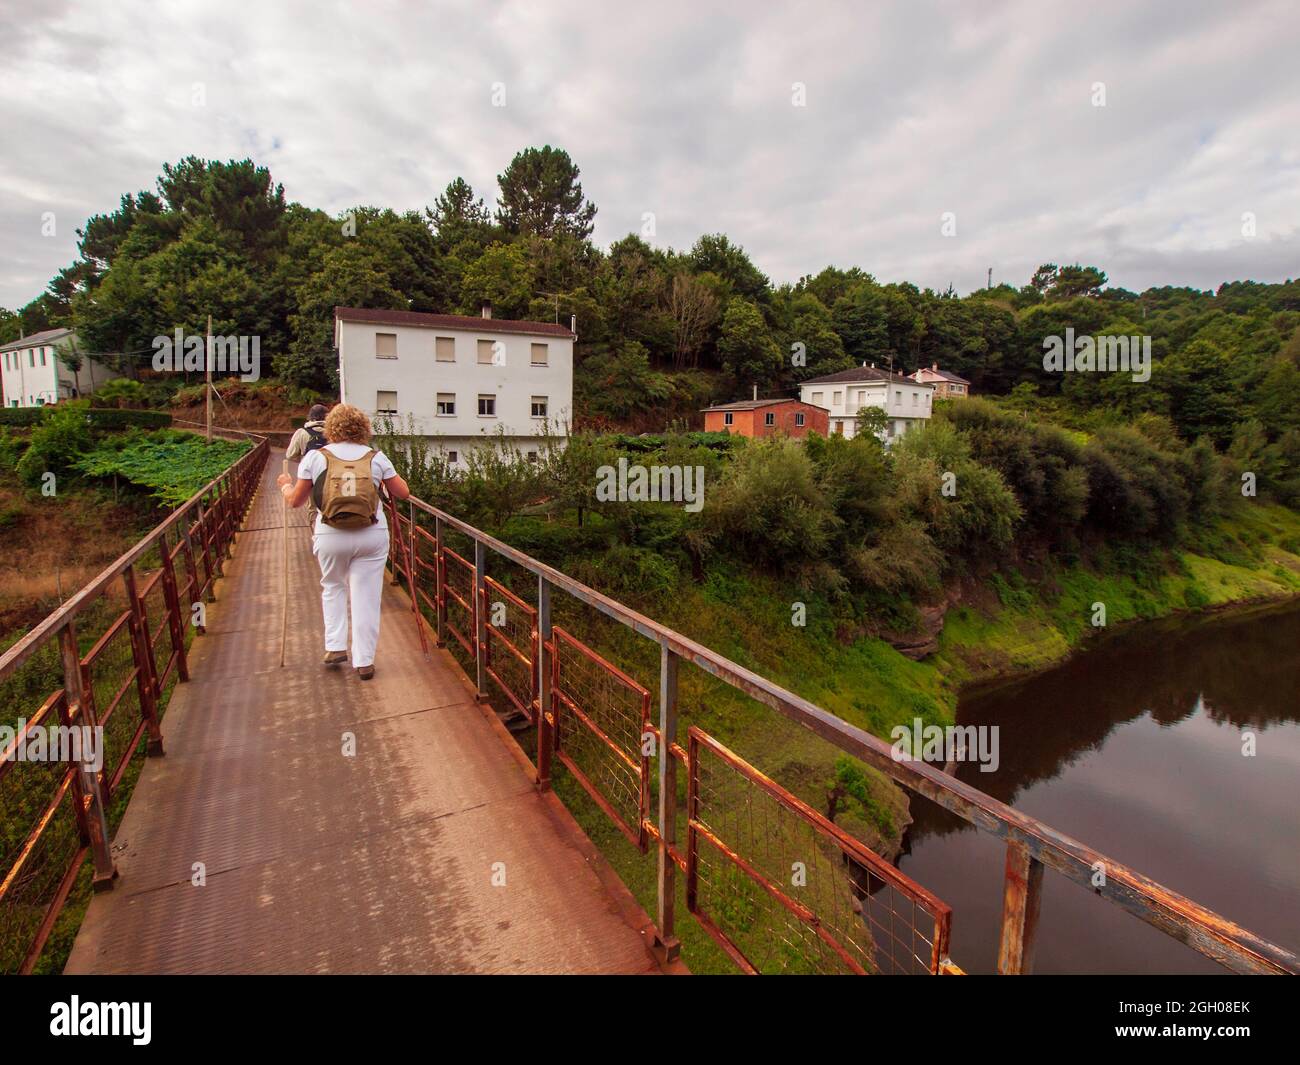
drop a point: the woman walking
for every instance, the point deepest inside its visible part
(350, 540)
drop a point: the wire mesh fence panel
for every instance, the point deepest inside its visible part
(40, 841)
(425, 561)
(510, 652)
(602, 719)
(181, 578)
(153, 601)
(112, 681)
(458, 589)
(783, 890)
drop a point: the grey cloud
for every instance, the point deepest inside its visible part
(685, 110)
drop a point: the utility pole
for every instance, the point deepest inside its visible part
(207, 388)
(556, 296)
(990, 284)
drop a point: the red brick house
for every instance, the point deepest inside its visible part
(767, 417)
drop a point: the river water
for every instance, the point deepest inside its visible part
(1135, 748)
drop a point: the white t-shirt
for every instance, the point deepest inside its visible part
(313, 465)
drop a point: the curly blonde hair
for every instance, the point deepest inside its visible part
(346, 424)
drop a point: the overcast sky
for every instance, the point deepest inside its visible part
(687, 111)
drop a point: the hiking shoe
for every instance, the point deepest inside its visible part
(365, 672)
(333, 658)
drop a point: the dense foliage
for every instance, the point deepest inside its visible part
(662, 332)
(979, 486)
(172, 464)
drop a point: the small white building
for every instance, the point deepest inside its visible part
(906, 402)
(461, 379)
(33, 375)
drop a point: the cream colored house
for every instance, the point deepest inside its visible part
(461, 379)
(946, 385)
(906, 403)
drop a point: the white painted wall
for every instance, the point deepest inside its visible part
(35, 376)
(905, 403)
(417, 378)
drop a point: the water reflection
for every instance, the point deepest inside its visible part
(1136, 749)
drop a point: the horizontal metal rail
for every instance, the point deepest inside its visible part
(1032, 845)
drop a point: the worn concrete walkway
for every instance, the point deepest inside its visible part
(319, 861)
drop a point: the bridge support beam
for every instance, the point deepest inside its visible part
(666, 945)
(1021, 898)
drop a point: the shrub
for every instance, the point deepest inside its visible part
(125, 419)
(981, 514)
(771, 508)
(1134, 488)
(56, 444)
(22, 417)
(10, 449)
(1041, 464)
(120, 392)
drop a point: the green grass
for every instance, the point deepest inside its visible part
(1250, 557)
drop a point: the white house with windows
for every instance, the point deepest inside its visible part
(906, 403)
(33, 375)
(462, 379)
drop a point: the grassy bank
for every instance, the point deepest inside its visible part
(1037, 618)
(1011, 620)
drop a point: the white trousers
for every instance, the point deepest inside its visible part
(352, 567)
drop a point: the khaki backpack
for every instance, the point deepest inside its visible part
(345, 493)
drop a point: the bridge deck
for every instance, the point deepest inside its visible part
(320, 862)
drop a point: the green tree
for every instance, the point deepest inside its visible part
(352, 275)
(501, 276)
(745, 346)
(541, 195)
(713, 253)
(457, 217)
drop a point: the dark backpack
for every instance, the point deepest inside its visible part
(315, 438)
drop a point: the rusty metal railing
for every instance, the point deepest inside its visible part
(600, 725)
(54, 814)
(627, 787)
(783, 889)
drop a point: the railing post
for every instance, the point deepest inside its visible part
(171, 595)
(208, 591)
(413, 561)
(480, 628)
(439, 599)
(96, 816)
(192, 568)
(1021, 897)
(667, 946)
(150, 685)
(545, 735)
